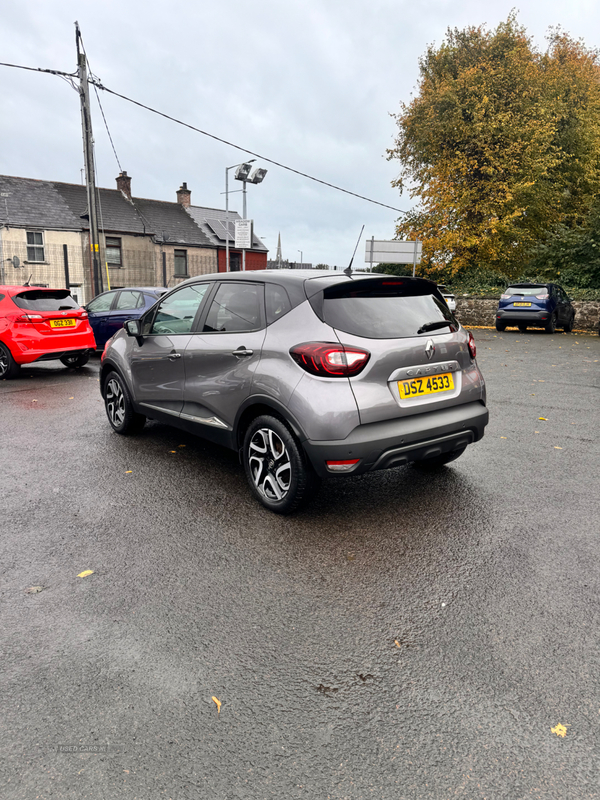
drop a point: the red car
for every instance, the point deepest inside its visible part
(41, 325)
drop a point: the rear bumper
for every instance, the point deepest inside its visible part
(382, 445)
(32, 356)
(514, 317)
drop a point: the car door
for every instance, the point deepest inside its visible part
(98, 310)
(221, 358)
(128, 305)
(157, 356)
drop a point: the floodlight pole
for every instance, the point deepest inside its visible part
(301, 258)
(244, 217)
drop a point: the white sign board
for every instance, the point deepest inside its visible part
(392, 252)
(243, 234)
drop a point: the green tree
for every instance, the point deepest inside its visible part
(500, 145)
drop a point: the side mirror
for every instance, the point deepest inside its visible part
(133, 327)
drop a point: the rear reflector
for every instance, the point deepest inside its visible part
(342, 466)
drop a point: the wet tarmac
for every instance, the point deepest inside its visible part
(406, 636)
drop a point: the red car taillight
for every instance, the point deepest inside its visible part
(542, 296)
(471, 345)
(29, 318)
(330, 360)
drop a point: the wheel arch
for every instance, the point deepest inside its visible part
(263, 404)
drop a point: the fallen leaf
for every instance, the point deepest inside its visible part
(85, 573)
(557, 448)
(180, 445)
(218, 702)
(544, 419)
(172, 451)
(503, 437)
(396, 642)
(128, 471)
(559, 730)
(34, 589)
(34, 401)
(71, 398)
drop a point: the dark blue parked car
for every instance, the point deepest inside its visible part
(110, 310)
(535, 305)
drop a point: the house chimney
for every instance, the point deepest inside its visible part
(124, 184)
(184, 196)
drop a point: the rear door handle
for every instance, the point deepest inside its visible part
(173, 355)
(242, 351)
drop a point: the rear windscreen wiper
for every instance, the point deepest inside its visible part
(432, 326)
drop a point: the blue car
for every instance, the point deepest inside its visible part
(535, 305)
(110, 310)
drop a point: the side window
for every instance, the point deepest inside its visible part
(101, 303)
(129, 300)
(177, 312)
(236, 308)
(277, 302)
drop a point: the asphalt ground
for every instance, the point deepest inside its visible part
(406, 636)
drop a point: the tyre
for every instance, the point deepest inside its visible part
(523, 328)
(500, 326)
(119, 408)
(8, 366)
(75, 362)
(551, 326)
(569, 326)
(278, 471)
(439, 461)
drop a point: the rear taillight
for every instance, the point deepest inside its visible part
(330, 360)
(505, 296)
(471, 345)
(82, 315)
(29, 318)
(542, 296)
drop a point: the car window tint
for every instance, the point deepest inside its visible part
(129, 300)
(102, 303)
(176, 313)
(236, 308)
(526, 291)
(53, 300)
(385, 309)
(277, 302)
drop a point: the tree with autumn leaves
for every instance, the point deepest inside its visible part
(501, 147)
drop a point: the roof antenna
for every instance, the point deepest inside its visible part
(348, 270)
(28, 281)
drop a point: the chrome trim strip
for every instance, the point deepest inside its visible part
(215, 422)
(424, 369)
(162, 410)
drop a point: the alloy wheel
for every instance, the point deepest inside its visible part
(115, 402)
(270, 464)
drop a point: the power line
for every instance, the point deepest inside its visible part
(243, 149)
(98, 85)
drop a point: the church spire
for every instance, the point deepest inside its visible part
(279, 251)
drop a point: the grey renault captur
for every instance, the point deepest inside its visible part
(305, 374)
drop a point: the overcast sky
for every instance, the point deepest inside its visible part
(310, 84)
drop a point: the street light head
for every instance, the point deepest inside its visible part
(258, 175)
(242, 172)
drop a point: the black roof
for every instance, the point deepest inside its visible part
(25, 202)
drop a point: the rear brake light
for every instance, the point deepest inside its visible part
(330, 360)
(471, 345)
(29, 318)
(83, 315)
(342, 466)
(505, 296)
(542, 296)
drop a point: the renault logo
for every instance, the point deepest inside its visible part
(429, 349)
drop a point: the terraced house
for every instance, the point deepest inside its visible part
(44, 237)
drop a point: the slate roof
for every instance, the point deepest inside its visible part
(25, 202)
(200, 215)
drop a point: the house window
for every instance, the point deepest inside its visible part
(35, 246)
(113, 251)
(181, 264)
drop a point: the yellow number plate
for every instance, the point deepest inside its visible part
(417, 387)
(62, 323)
(521, 304)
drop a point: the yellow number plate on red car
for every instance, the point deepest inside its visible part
(521, 304)
(417, 387)
(63, 323)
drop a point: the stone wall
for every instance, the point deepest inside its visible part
(482, 311)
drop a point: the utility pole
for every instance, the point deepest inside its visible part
(90, 170)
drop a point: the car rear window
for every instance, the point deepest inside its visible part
(385, 309)
(52, 300)
(528, 291)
